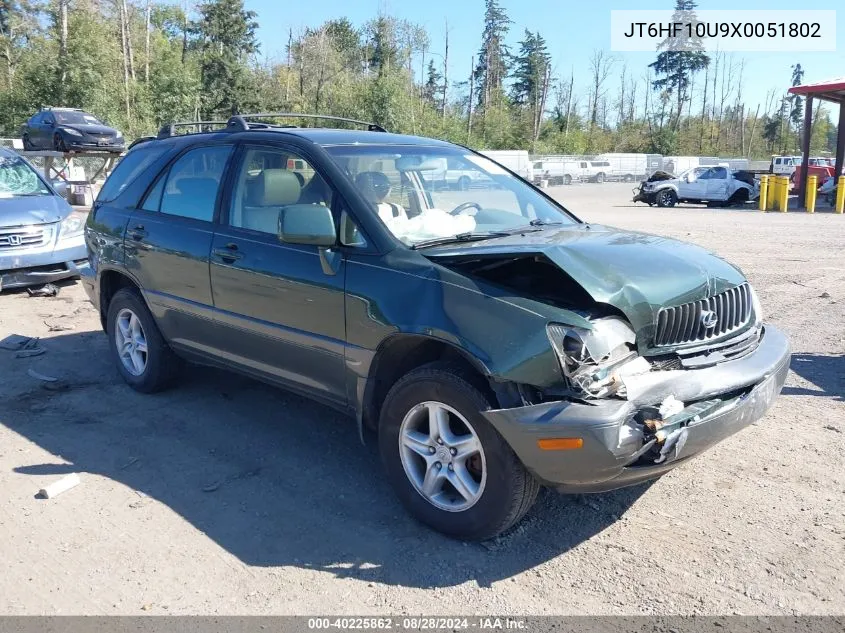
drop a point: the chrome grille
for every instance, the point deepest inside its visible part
(23, 238)
(687, 323)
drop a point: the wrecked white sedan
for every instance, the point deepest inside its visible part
(717, 185)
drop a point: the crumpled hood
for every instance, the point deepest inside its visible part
(28, 210)
(635, 272)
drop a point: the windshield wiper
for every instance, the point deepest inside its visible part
(543, 223)
(460, 237)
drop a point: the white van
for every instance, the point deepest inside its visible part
(516, 160)
(559, 172)
(631, 167)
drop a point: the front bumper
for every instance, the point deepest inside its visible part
(640, 195)
(612, 438)
(74, 143)
(45, 264)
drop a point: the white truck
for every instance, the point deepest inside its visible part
(629, 167)
(516, 160)
(717, 185)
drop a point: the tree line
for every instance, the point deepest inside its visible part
(141, 63)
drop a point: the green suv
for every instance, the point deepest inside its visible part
(494, 341)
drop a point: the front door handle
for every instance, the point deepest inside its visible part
(228, 254)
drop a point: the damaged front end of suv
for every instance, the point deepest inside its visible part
(654, 369)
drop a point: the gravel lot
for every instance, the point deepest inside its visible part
(225, 496)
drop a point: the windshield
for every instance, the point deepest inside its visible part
(76, 118)
(19, 179)
(428, 193)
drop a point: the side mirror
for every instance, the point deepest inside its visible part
(307, 224)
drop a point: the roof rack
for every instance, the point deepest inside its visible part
(169, 129)
(239, 122)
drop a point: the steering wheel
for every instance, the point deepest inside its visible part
(464, 206)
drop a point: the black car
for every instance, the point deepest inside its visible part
(493, 340)
(69, 129)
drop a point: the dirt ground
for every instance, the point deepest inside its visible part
(225, 496)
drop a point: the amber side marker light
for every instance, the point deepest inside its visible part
(560, 443)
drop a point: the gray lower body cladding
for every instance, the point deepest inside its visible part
(739, 392)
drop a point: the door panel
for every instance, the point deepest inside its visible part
(717, 184)
(695, 190)
(168, 250)
(282, 305)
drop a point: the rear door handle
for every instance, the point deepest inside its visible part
(137, 232)
(228, 254)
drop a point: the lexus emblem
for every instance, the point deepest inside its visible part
(709, 319)
(14, 240)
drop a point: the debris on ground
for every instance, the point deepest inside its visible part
(824, 295)
(244, 475)
(830, 427)
(29, 353)
(40, 376)
(47, 290)
(56, 385)
(58, 487)
(58, 327)
(132, 460)
(16, 342)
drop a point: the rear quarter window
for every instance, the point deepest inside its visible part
(129, 168)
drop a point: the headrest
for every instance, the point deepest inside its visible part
(373, 182)
(276, 188)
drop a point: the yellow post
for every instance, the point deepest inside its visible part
(774, 183)
(784, 194)
(764, 190)
(812, 191)
(840, 195)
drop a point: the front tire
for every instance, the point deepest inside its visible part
(141, 354)
(27, 144)
(463, 183)
(667, 198)
(448, 466)
(600, 178)
(567, 179)
(59, 144)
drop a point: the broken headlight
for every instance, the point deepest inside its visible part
(594, 361)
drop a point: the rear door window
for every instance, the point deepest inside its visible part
(193, 181)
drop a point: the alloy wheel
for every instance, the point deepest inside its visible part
(442, 456)
(130, 342)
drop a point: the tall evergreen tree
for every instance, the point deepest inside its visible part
(433, 86)
(531, 75)
(226, 40)
(796, 110)
(494, 56)
(680, 58)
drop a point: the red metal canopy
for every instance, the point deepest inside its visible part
(830, 90)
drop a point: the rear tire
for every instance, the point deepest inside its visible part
(463, 183)
(146, 368)
(739, 198)
(628, 178)
(498, 490)
(27, 144)
(667, 198)
(567, 179)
